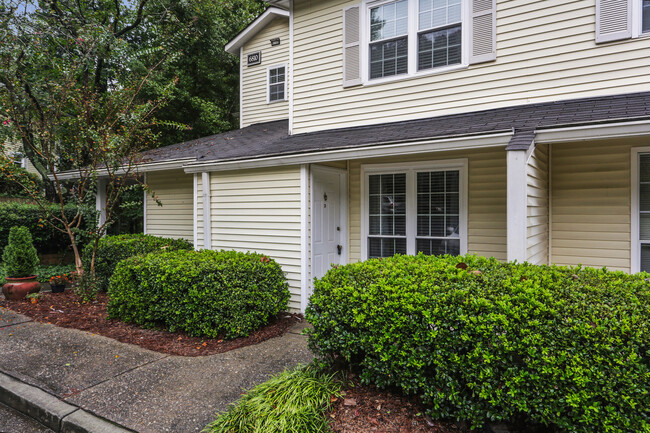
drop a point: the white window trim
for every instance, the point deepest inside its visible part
(635, 262)
(411, 168)
(637, 20)
(268, 83)
(412, 44)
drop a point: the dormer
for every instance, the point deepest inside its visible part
(263, 49)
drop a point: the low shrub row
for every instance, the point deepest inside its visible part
(205, 293)
(480, 340)
(45, 238)
(113, 249)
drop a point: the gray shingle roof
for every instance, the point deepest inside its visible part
(270, 139)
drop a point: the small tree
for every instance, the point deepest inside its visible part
(71, 86)
(19, 256)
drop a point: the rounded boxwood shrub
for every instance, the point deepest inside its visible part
(113, 249)
(478, 340)
(205, 293)
(19, 256)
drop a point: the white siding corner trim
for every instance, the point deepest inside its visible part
(144, 203)
(517, 208)
(304, 237)
(196, 210)
(635, 262)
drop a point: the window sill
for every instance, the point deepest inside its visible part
(276, 102)
(426, 73)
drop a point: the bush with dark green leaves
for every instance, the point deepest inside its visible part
(564, 347)
(19, 256)
(113, 249)
(46, 238)
(205, 293)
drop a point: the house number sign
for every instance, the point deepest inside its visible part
(254, 58)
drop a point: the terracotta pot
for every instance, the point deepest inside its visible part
(19, 288)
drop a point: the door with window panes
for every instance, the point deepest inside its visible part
(415, 211)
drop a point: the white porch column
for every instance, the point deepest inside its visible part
(304, 237)
(517, 205)
(100, 201)
(207, 219)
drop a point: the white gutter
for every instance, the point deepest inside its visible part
(172, 164)
(593, 132)
(393, 149)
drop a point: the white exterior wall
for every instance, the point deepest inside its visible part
(255, 108)
(486, 199)
(591, 203)
(175, 218)
(259, 211)
(537, 206)
(546, 51)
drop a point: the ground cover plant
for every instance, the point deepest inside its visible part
(478, 340)
(205, 293)
(293, 401)
(113, 249)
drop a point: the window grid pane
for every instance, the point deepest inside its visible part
(646, 16)
(439, 48)
(389, 58)
(389, 21)
(276, 84)
(438, 218)
(387, 215)
(438, 13)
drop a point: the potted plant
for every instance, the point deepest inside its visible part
(58, 283)
(20, 261)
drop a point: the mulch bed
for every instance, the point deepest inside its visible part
(65, 310)
(366, 409)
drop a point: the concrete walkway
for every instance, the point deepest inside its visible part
(144, 391)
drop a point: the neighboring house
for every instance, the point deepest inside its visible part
(516, 129)
(14, 149)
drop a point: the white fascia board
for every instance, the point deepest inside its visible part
(174, 164)
(393, 149)
(593, 132)
(260, 22)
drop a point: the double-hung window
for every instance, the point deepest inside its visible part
(277, 83)
(389, 39)
(415, 209)
(409, 36)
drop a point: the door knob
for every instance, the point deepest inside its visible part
(340, 248)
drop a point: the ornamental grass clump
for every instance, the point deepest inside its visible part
(20, 257)
(479, 340)
(293, 401)
(204, 293)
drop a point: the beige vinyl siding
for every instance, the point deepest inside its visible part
(259, 210)
(486, 199)
(537, 217)
(546, 51)
(175, 218)
(590, 203)
(255, 108)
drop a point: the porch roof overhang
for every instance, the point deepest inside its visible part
(173, 164)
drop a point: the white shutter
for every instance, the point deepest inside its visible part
(483, 31)
(613, 20)
(352, 46)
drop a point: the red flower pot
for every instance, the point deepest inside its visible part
(19, 288)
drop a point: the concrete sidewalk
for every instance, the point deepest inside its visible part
(144, 391)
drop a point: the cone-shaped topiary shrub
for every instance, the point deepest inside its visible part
(19, 256)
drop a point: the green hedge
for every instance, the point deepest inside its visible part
(9, 188)
(568, 347)
(113, 249)
(45, 238)
(205, 293)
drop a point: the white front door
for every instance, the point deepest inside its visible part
(328, 217)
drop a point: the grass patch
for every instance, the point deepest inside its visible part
(293, 401)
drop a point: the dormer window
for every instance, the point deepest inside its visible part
(277, 84)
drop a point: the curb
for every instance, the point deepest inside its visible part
(51, 411)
